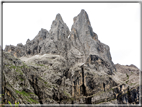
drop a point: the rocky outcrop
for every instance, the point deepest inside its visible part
(76, 46)
(66, 67)
(44, 79)
(30, 48)
(85, 42)
(15, 86)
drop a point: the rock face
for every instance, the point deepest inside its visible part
(66, 67)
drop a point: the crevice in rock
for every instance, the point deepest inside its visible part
(83, 86)
(129, 95)
(29, 52)
(67, 74)
(37, 91)
(104, 86)
(87, 100)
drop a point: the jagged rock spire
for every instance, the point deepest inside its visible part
(64, 78)
(82, 32)
(86, 41)
(83, 17)
(59, 29)
(83, 41)
(58, 17)
(82, 25)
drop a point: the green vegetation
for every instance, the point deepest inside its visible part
(22, 93)
(127, 76)
(27, 96)
(21, 79)
(7, 65)
(133, 84)
(47, 84)
(10, 103)
(24, 65)
(12, 66)
(19, 71)
(32, 100)
(66, 94)
(16, 104)
(54, 86)
(32, 93)
(42, 65)
(44, 74)
(131, 73)
(127, 81)
(16, 68)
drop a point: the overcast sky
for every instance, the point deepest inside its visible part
(117, 24)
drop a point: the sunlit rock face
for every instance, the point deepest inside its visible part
(67, 67)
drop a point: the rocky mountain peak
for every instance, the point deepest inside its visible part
(55, 69)
(28, 40)
(59, 30)
(43, 33)
(82, 18)
(83, 15)
(86, 40)
(82, 27)
(82, 45)
(58, 17)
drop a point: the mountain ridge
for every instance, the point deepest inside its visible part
(60, 66)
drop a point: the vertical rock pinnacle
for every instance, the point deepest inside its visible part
(58, 17)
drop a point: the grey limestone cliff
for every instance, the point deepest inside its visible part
(60, 66)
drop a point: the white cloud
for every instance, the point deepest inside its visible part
(117, 25)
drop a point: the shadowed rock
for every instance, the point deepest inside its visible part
(67, 67)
